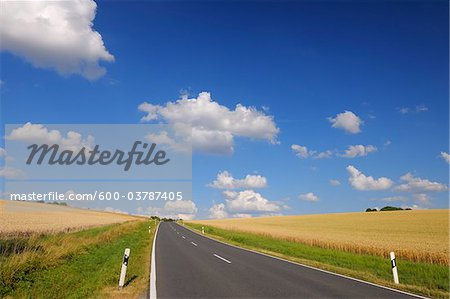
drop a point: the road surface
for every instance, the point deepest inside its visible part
(189, 265)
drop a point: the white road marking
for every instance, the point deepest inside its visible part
(194, 244)
(223, 259)
(310, 267)
(183, 237)
(153, 268)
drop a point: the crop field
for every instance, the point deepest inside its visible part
(30, 217)
(421, 235)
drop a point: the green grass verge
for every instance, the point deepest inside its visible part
(87, 266)
(420, 278)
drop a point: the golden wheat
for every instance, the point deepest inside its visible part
(421, 235)
(27, 218)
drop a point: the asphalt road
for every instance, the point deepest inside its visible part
(189, 265)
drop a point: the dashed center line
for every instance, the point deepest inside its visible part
(221, 258)
(194, 244)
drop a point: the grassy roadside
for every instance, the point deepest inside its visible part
(77, 265)
(420, 278)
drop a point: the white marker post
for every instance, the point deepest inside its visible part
(149, 229)
(123, 272)
(203, 230)
(394, 267)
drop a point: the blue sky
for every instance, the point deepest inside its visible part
(301, 62)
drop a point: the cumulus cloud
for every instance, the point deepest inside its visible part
(335, 182)
(358, 151)
(218, 211)
(213, 126)
(184, 209)
(303, 152)
(163, 138)
(249, 201)
(347, 121)
(55, 35)
(178, 209)
(418, 185)
(38, 133)
(309, 197)
(226, 181)
(446, 157)
(359, 181)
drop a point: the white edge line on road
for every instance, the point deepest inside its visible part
(310, 267)
(153, 267)
(194, 244)
(221, 258)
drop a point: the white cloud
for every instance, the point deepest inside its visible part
(358, 151)
(321, 155)
(422, 199)
(55, 35)
(179, 209)
(446, 157)
(403, 110)
(214, 126)
(164, 139)
(226, 181)
(249, 201)
(347, 121)
(2, 152)
(309, 197)
(218, 211)
(391, 198)
(11, 173)
(359, 181)
(416, 109)
(421, 108)
(184, 209)
(353, 151)
(418, 185)
(300, 151)
(335, 182)
(114, 210)
(303, 152)
(40, 134)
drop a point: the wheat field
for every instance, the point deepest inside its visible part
(420, 235)
(22, 218)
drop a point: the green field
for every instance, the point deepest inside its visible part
(417, 277)
(77, 265)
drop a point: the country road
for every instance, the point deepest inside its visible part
(189, 265)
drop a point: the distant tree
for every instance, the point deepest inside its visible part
(371, 210)
(167, 219)
(389, 208)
